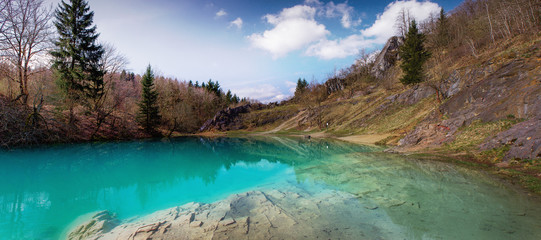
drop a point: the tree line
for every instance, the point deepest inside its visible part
(56, 72)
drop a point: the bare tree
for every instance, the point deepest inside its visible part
(25, 34)
(402, 22)
(3, 5)
(112, 60)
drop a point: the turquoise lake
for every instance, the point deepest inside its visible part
(45, 190)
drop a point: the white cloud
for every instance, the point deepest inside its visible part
(292, 86)
(342, 10)
(221, 13)
(264, 93)
(294, 28)
(237, 23)
(383, 27)
(378, 33)
(312, 2)
(341, 48)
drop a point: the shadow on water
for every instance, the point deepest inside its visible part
(44, 189)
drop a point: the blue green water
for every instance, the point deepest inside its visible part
(44, 190)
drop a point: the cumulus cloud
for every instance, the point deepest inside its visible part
(341, 48)
(342, 10)
(292, 86)
(313, 2)
(264, 93)
(236, 23)
(378, 33)
(381, 29)
(294, 28)
(221, 13)
(333, 10)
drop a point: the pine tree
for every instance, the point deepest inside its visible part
(442, 30)
(413, 55)
(301, 87)
(149, 116)
(77, 55)
(213, 87)
(229, 97)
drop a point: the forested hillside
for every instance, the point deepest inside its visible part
(59, 82)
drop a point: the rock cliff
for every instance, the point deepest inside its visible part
(228, 119)
(387, 57)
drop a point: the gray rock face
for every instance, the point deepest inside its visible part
(226, 119)
(416, 94)
(334, 85)
(510, 90)
(410, 96)
(387, 57)
(524, 140)
(451, 85)
(488, 95)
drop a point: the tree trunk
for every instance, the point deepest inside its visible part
(490, 23)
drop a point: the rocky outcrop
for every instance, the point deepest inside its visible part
(523, 140)
(228, 119)
(412, 95)
(387, 57)
(485, 94)
(513, 89)
(334, 85)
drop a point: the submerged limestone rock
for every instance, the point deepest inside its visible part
(254, 215)
(101, 223)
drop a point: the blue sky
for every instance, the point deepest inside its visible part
(256, 48)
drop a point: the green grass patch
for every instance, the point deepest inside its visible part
(400, 117)
(528, 181)
(495, 155)
(469, 137)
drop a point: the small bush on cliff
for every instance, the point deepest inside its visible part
(413, 56)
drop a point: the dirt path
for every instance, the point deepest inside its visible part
(291, 123)
(370, 139)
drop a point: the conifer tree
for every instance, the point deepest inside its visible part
(442, 30)
(236, 99)
(229, 97)
(413, 55)
(301, 86)
(77, 54)
(149, 116)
